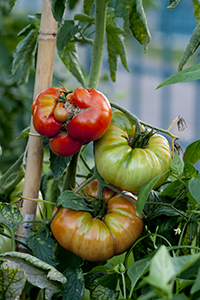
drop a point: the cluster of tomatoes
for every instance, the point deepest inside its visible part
(72, 119)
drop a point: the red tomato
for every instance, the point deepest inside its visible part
(63, 145)
(94, 119)
(98, 238)
(42, 110)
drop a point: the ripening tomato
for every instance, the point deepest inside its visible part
(42, 110)
(127, 167)
(94, 118)
(64, 145)
(60, 113)
(98, 238)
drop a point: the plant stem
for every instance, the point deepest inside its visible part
(99, 40)
(70, 177)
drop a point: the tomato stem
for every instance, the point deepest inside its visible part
(133, 118)
(70, 176)
(99, 41)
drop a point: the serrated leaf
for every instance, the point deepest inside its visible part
(145, 191)
(176, 164)
(194, 187)
(87, 6)
(42, 247)
(24, 54)
(70, 200)
(121, 7)
(191, 47)
(84, 17)
(138, 23)
(75, 286)
(12, 281)
(11, 5)
(172, 4)
(58, 8)
(116, 47)
(192, 152)
(65, 34)
(189, 74)
(69, 57)
(10, 215)
(37, 272)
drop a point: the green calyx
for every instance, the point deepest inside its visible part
(140, 140)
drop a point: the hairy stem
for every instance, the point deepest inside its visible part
(99, 40)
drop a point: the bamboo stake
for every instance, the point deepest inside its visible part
(43, 79)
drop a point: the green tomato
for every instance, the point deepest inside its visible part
(14, 196)
(126, 167)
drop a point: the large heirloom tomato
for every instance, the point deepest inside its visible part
(124, 166)
(98, 238)
(70, 119)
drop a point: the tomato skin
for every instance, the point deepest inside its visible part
(60, 113)
(92, 123)
(64, 145)
(127, 168)
(42, 110)
(96, 239)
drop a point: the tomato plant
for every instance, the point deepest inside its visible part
(129, 165)
(103, 236)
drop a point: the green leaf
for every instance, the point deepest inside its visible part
(58, 8)
(191, 47)
(69, 57)
(145, 191)
(69, 199)
(176, 164)
(196, 10)
(24, 133)
(37, 272)
(194, 187)
(87, 6)
(189, 170)
(24, 54)
(182, 263)
(10, 215)
(11, 5)
(138, 23)
(172, 4)
(192, 152)
(12, 281)
(137, 270)
(84, 17)
(58, 164)
(196, 286)
(72, 3)
(42, 246)
(189, 74)
(121, 7)
(65, 34)
(116, 47)
(109, 281)
(161, 270)
(75, 286)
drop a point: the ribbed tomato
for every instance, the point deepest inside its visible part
(126, 166)
(98, 238)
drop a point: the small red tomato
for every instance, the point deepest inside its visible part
(60, 113)
(42, 110)
(64, 145)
